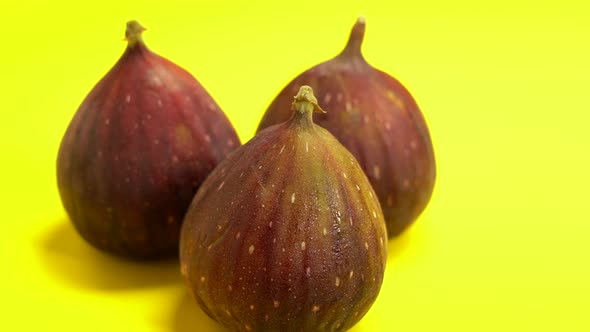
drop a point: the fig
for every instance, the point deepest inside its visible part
(136, 151)
(376, 118)
(286, 234)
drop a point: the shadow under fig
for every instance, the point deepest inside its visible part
(75, 262)
(397, 245)
(188, 317)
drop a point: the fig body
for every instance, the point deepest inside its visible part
(136, 151)
(287, 233)
(376, 118)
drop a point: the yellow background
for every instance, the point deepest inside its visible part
(504, 86)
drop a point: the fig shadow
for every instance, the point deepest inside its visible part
(397, 245)
(73, 261)
(188, 317)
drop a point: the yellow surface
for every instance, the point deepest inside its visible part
(504, 85)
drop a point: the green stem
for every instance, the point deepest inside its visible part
(133, 33)
(306, 102)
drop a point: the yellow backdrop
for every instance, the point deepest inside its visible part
(504, 86)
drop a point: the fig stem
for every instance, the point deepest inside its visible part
(355, 41)
(305, 103)
(133, 33)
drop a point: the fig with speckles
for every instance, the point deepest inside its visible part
(287, 233)
(136, 151)
(376, 118)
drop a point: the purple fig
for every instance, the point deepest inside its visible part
(287, 233)
(137, 150)
(375, 117)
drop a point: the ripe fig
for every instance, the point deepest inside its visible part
(287, 233)
(136, 151)
(374, 116)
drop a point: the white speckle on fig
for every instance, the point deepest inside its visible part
(406, 184)
(390, 200)
(376, 172)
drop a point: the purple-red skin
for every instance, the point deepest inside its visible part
(286, 234)
(375, 117)
(137, 150)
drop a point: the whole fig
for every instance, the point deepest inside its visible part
(136, 151)
(374, 116)
(286, 234)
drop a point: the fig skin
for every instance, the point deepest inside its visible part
(286, 234)
(376, 118)
(136, 151)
